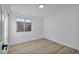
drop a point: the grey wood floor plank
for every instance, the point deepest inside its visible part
(41, 46)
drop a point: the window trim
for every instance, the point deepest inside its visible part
(24, 23)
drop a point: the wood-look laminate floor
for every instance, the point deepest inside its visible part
(41, 46)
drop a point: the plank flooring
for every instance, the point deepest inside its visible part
(41, 46)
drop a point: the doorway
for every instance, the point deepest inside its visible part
(3, 28)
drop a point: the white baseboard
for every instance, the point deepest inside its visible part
(18, 42)
(53, 39)
(47, 37)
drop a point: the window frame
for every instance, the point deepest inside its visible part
(24, 23)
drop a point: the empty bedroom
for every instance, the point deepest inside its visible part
(39, 28)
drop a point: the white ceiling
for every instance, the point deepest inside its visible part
(33, 10)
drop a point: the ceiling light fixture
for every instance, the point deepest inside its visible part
(41, 5)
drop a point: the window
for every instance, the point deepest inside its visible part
(23, 24)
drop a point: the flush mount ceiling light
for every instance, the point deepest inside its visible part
(41, 5)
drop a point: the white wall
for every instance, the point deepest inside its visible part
(19, 37)
(63, 27)
(0, 24)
